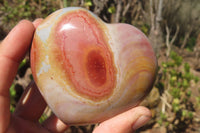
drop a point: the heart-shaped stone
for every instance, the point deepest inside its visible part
(87, 70)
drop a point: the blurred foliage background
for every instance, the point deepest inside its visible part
(173, 27)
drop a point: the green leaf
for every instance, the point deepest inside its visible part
(65, 3)
(187, 67)
(24, 61)
(12, 109)
(43, 118)
(190, 115)
(12, 90)
(196, 79)
(184, 113)
(185, 84)
(175, 92)
(111, 9)
(88, 3)
(189, 93)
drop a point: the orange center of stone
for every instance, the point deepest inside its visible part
(96, 68)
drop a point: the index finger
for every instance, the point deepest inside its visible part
(12, 50)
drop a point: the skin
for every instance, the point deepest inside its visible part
(31, 105)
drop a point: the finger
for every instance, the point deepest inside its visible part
(37, 22)
(31, 98)
(12, 50)
(53, 124)
(19, 125)
(31, 104)
(126, 122)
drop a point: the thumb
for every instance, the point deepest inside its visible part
(126, 122)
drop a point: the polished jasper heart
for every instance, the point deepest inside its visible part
(88, 70)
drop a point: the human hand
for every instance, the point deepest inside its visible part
(32, 105)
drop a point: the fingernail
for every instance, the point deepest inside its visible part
(37, 21)
(141, 121)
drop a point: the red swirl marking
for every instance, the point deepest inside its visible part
(88, 60)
